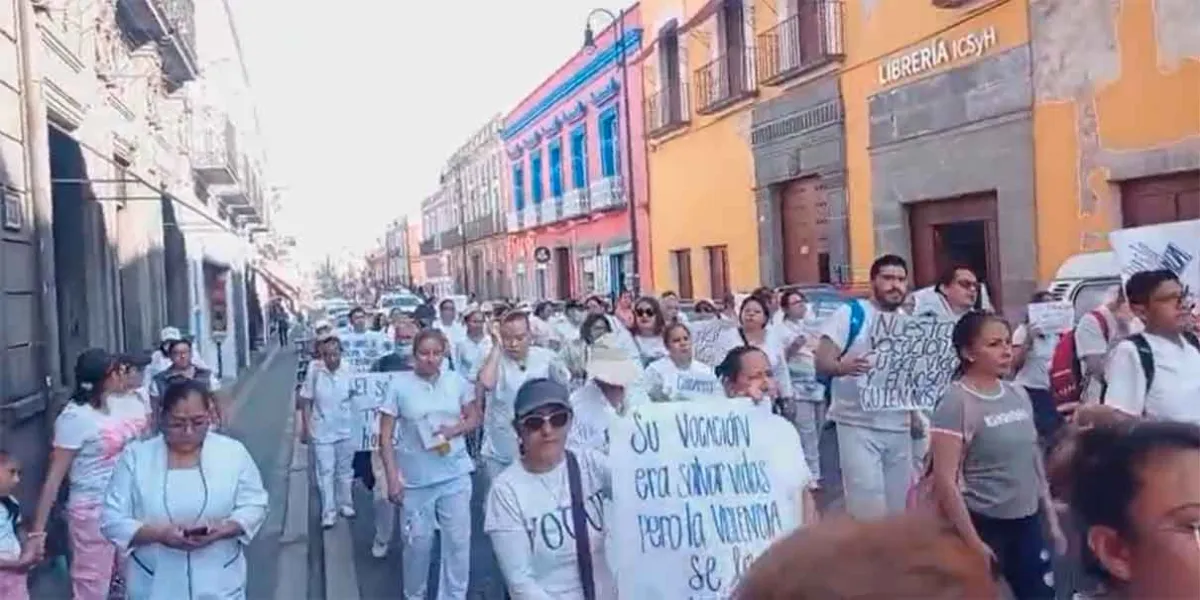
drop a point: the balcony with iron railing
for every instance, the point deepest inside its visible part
(214, 152)
(575, 203)
(607, 193)
(801, 42)
(668, 109)
(171, 24)
(726, 80)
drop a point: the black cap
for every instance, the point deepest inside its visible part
(537, 393)
(134, 359)
(93, 366)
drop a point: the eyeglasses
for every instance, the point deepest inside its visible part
(535, 423)
(704, 310)
(193, 425)
(644, 312)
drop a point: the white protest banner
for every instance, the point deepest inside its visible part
(913, 361)
(361, 350)
(1172, 246)
(368, 391)
(699, 489)
(706, 340)
(1052, 317)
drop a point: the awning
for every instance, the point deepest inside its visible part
(275, 280)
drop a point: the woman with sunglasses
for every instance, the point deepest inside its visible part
(531, 510)
(429, 470)
(89, 436)
(648, 325)
(184, 505)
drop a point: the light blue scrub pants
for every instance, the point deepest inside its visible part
(444, 506)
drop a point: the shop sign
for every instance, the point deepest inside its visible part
(542, 255)
(935, 53)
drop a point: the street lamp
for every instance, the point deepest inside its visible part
(589, 43)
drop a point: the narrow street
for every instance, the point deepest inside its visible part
(262, 416)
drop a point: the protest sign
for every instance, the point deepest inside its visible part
(913, 361)
(699, 489)
(1052, 317)
(368, 391)
(361, 350)
(1171, 246)
(706, 340)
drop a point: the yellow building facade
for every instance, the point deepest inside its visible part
(793, 141)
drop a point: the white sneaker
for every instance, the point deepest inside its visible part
(348, 512)
(379, 549)
(329, 520)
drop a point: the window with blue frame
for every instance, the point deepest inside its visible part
(535, 176)
(556, 168)
(579, 157)
(607, 124)
(518, 186)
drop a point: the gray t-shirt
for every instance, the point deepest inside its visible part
(1002, 470)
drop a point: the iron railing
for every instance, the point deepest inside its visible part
(809, 38)
(668, 108)
(216, 147)
(725, 80)
(181, 18)
(607, 193)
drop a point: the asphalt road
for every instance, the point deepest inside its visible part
(380, 579)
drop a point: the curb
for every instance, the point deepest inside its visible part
(293, 578)
(341, 576)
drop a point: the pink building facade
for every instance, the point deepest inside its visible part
(568, 177)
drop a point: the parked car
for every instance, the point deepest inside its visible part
(407, 303)
(1086, 280)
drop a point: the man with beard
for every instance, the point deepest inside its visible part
(874, 447)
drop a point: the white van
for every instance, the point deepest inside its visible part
(1086, 280)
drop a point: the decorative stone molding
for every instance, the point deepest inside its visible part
(575, 113)
(553, 127)
(62, 105)
(607, 93)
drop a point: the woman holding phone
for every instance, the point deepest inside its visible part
(184, 504)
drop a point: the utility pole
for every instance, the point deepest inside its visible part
(462, 226)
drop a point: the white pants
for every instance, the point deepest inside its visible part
(876, 470)
(385, 511)
(446, 507)
(335, 473)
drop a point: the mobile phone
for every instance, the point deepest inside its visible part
(196, 532)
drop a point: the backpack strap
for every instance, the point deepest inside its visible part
(1145, 356)
(583, 549)
(858, 317)
(1103, 323)
(1191, 338)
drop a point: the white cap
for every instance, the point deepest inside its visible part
(169, 334)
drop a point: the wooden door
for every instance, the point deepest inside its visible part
(562, 263)
(1160, 199)
(804, 215)
(931, 223)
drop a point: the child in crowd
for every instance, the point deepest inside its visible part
(15, 562)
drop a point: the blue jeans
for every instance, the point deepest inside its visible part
(1022, 554)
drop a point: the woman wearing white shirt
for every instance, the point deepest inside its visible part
(606, 396)
(429, 471)
(745, 375)
(473, 347)
(648, 325)
(678, 376)
(183, 505)
(1033, 351)
(752, 315)
(327, 417)
(89, 436)
(532, 515)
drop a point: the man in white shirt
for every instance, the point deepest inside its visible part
(1156, 373)
(447, 322)
(875, 447)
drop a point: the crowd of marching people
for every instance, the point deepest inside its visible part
(1048, 480)
(1052, 463)
(157, 502)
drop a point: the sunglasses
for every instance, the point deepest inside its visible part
(644, 312)
(535, 423)
(702, 310)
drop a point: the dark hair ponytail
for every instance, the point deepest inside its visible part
(87, 393)
(966, 333)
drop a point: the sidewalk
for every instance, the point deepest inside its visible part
(51, 581)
